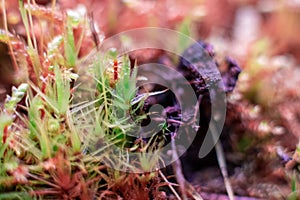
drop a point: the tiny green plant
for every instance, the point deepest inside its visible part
(55, 148)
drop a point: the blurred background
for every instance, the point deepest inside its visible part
(262, 35)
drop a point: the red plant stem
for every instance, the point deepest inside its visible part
(115, 70)
(44, 192)
(5, 134)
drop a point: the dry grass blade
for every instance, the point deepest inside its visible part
(169, 185)
(184, 186)
(222, 162)
(178, 170)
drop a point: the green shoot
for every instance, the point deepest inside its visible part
(69, 44)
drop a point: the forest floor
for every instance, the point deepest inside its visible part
(262, 127)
